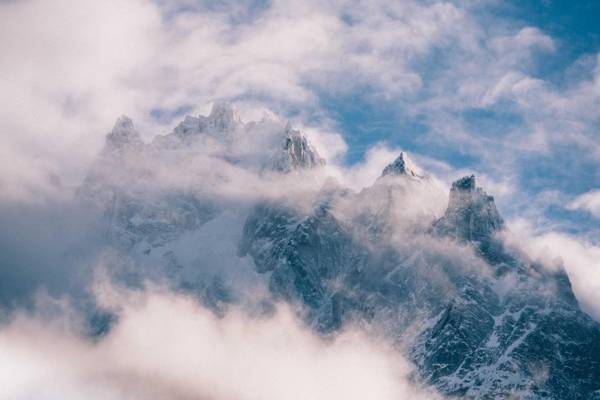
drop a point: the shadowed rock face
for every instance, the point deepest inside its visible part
(471, 214)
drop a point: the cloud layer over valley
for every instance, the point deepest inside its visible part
(167, 345)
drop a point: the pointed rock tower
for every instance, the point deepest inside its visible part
(471, 214)
(297, 153)
(401, 166)
(223, 117)
(123, 136)
(222, 120)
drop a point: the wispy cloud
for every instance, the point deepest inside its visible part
(589, 202)
(168, 57)
(579, 258)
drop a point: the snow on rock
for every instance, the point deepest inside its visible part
(123, 135)
(402, 166)
(297, 153)
(222, 120)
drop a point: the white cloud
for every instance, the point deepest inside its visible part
(167, 346)
(65, 69)
(365, 173)
(589, 202)
(72, 74)
(580, 259)
(513, 84)
(329, 143)
(525, 39)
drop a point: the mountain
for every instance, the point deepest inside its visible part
(297, 153)
(478, 319)
(163, 204)
(401, 166)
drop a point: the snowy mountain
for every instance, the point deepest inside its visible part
(297, 153)
(401, 166)
(478, 319)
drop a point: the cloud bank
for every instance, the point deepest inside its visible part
(167, 346)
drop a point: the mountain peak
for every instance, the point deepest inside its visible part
(297, 153)
(464, 183)
(402, 165)
(471, 214)
(123, 134)
(223, 117)
(123, 122)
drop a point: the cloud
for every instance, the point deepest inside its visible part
(232, 167)
(581, 260)
(167, 346)
(71, 75)
(365, 173)
(520, 43)
(512, 84)
(589, 202)
(66, 79)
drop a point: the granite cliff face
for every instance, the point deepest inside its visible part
(478, 319)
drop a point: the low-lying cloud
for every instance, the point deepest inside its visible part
(165, 345)
(579, 258)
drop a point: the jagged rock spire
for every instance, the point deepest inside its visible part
(223, 117)
(471, 214)
(297, 153)
(123, 135)
(401, 166)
